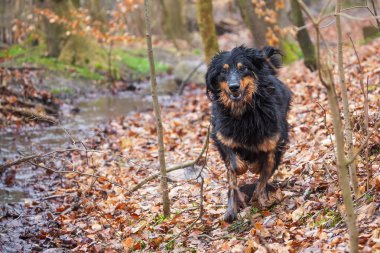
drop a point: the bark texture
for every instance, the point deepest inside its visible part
(256, 26)
(207, 28)
(55, 33)
(303, 37)
(174, 22)
(10, 10)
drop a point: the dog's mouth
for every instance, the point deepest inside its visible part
(236, 96)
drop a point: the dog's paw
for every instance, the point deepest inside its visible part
(230, 215)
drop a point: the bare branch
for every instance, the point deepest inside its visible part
(157, 113)
(177, 167)
(375, 13)
(346, 110)
(184, 82)
(29, 113)
(364, 144)
(78, 172)
(31, 157)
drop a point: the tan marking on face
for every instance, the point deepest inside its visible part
(242, 166)
(226, 66)
(240, 65)
(247, 84)
(269, 144)
(229, 142)
(224, 86)
(223, 97)
(254, 167)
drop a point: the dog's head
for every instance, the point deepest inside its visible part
(233, 77)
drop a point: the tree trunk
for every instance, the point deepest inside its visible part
(303, 37)
(53, 32)
(346, 111)
(341, 163)
(173, 21)
(256, 26)
(207, 28)
(326, 76)
(157, 112)
(10, 10)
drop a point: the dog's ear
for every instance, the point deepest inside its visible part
(273, 58)
(268, 59)
(212, 74)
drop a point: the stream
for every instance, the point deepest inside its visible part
(79, 119)
(91, 112)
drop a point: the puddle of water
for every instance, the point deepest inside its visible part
(92, 113)
(11, 196)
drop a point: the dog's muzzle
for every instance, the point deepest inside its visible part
(236, 93)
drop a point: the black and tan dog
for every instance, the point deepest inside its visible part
(249, 111)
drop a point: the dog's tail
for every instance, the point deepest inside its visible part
(273, 58)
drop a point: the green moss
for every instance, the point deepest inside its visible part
(197, 51)
(88, 74)
(254, 210)
(328, 218)
(66, 90)
(83, 51)
(13, 51)
(291, 51)
(370, 38)
(134, 62)
(140, 63)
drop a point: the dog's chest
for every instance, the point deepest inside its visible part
(245, 134)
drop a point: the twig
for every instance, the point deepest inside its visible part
(197, 219)
(375, 13)
(348, 135)
(365, 109)
(201, 208)
(157, 113)
(327, 128)
(29, 113)
(366, 126)
(54, 196)
(178, 167)
(184, 82)
(78, 172)
(31, 157)
(364, 144)
(223, 237)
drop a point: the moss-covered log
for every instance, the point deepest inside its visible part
(84, 51)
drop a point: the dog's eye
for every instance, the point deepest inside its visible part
(243, 68)
(224, 71)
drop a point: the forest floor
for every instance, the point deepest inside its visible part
(81, 193)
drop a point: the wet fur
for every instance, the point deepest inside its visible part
(250, 134)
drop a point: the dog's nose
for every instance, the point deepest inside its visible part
(234, 87)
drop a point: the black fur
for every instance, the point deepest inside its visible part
(263, 117)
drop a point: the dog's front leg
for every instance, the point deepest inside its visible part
(235, 197)
(261, 191)
(232, 209)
